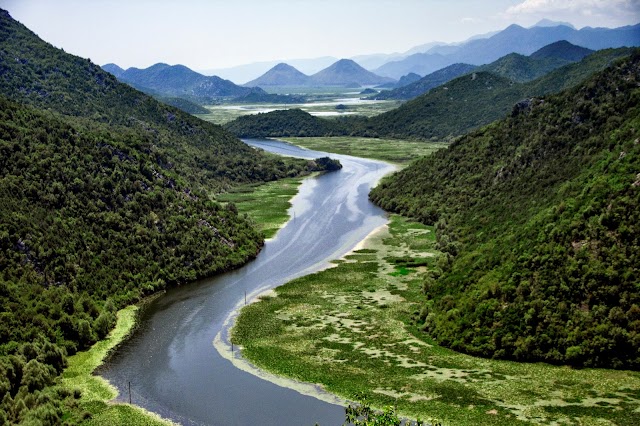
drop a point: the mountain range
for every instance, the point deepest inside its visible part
(343, 73)
(513, 39)
(180, 81)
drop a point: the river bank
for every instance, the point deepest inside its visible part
(350, 329)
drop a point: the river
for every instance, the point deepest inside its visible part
(174, 368)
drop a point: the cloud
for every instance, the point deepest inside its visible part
(591, 10)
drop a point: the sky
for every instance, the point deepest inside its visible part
(214, 34)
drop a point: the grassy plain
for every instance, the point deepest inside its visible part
(350, 328)
(266, 204)
(390, 150)
(96, 392)
(323, 106)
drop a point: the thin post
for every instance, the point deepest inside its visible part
(245, 297)
(129, 392)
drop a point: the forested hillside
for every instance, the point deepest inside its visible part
(538, 216)
(105, 197)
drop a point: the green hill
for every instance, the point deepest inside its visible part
(562, 50)
(522, 68)
(105, 197)
(538, 216)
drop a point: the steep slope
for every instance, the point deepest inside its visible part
(427, 82)
(104, 198)
(513, 39)
(346, 72)
(45, 77)
(538, 216)
(282, 75)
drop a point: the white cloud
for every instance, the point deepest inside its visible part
(589, 12)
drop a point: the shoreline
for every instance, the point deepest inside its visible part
(96, 390)
(228, 351)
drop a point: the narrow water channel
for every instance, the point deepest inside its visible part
(171, 362)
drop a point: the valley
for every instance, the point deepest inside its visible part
(447, 232)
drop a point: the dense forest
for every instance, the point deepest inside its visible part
(450, 110)
(538, 218)
(105, 197)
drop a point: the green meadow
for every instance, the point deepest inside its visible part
(350, 329)
(94, 405)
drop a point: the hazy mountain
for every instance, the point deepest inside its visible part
(549, 23)
(113, 69)
(282, 75)
(418, 63)
(375, 60)
(346, 72)
(513, 39)
(180, 81)
(426, 83)
(248, 72)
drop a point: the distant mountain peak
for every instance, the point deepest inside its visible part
(346, 72)
(549, 23)
(281, 75)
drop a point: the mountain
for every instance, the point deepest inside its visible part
(180, 81)
(538, 217)
(281, 75)
(549, 23)
(113, 69)
(346, 72)
(248, 72)
(426, 83)
(562, 50)
(513, 39)
(105, 199)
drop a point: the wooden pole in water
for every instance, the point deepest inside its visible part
(245, 297)
(129, 392)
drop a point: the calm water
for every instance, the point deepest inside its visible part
(170, 360)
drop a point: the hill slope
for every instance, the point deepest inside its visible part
(538, 216)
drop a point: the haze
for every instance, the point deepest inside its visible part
(206, 34)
